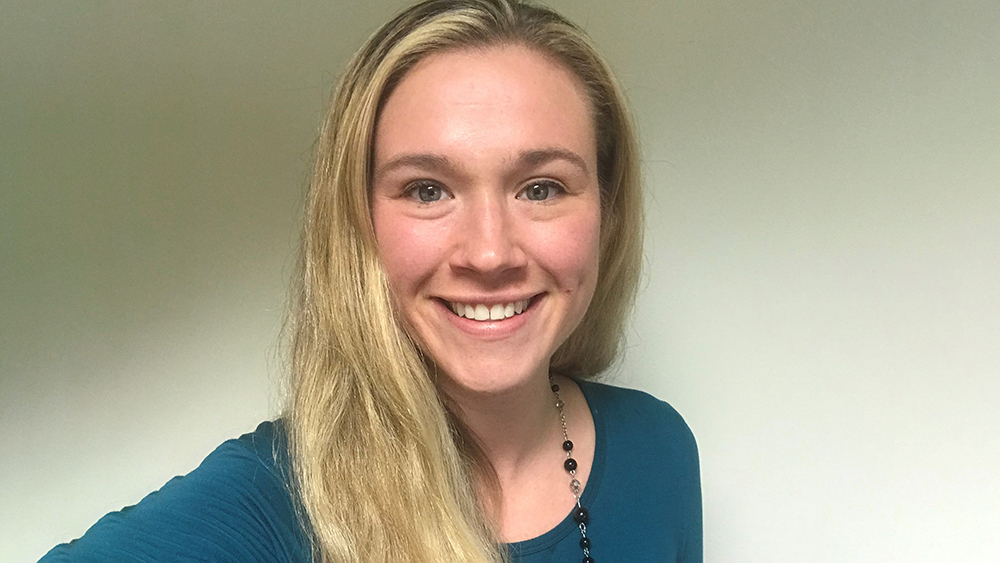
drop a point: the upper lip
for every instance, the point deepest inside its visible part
(491, 299)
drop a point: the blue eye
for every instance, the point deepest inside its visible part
(541, 190)
(427, 192)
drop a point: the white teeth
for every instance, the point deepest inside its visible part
(482, 312)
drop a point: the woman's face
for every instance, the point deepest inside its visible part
(487, 211)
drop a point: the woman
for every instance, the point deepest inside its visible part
(471, 250)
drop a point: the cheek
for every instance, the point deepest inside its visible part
(410, 249)
(572, 251)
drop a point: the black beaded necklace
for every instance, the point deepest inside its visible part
(580, 514)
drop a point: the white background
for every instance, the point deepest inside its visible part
(821, 301)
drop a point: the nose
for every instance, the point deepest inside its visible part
(489, 242)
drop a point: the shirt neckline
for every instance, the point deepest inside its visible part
(562, 529)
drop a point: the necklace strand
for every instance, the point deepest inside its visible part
(580, 514)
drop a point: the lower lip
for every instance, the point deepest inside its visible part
(491, 330)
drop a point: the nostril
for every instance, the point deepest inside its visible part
(489, 245)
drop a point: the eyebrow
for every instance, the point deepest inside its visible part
(434, 162)
(537, 157)
(440, 163)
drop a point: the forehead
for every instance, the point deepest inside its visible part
(471, 103)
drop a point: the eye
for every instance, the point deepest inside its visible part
(541, 190)
(426, 192)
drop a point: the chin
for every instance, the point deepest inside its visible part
(485, 378)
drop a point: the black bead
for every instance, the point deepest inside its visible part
(580, 515)
(584, 543)
(555, 388)
(570, 464)
(568, 446)
(588, 559)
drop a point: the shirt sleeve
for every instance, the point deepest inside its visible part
(692, 544)
(235, 507)
(679, 467)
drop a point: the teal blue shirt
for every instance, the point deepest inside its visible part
(643, 494)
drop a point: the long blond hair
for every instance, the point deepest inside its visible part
(381, 468)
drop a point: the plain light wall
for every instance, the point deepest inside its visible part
(821, 301)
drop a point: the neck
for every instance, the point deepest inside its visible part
(513, 426)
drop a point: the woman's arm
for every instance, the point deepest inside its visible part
(234, 507)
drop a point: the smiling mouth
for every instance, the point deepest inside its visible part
(482, 312)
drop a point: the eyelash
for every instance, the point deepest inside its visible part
(552, 185)
(412, 190)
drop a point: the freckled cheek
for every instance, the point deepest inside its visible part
(411, 252)
(571, 252)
